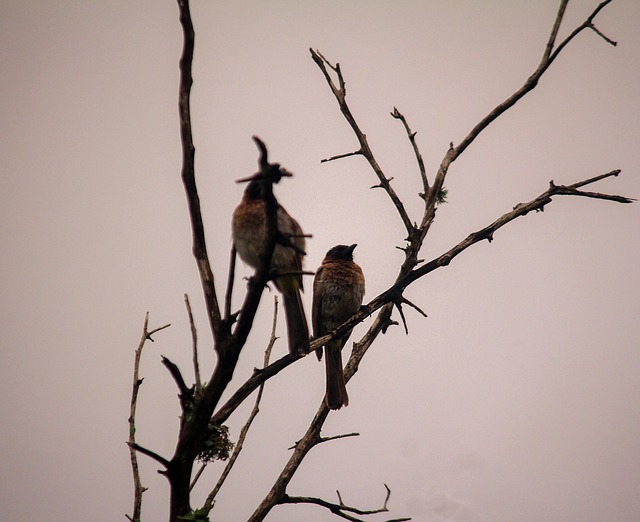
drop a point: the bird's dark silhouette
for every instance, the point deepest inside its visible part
(249, 228)
(338, 289)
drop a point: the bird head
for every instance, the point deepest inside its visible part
(342, 252)
(255, 189)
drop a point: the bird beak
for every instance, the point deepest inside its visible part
(352, 248)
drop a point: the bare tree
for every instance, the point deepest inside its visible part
(202, 435)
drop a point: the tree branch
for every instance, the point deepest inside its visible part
(412, 138)
(554, 31)
(547, 59)
(536, 204)
(385, 302)
(340, 156)
(230, 280)
(341, 509)
(336, 437)
(228, 344)
(340, 93)
(194, 342)
(138, 488)
(184, 390)
(208, 505)
(312, 437)
(394, 293)
(259, 376)
(603, 36)
(453, 153)
(150, 453)
(308, 441)
(188, 170)
(416, 235)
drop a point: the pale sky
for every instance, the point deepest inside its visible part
(517, 399)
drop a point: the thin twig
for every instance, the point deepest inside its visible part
(329, 439)
(404, 319)
(340, 156)
(588, 181)
(194, 342)
(197, 475)
(554, 31)
(568, 191)
(603, 36)
(232, 274)
(336, 437)
(186, 393)
(398, 304)
(149, 334)
(150, 453)
(416, 151)
(406, 301)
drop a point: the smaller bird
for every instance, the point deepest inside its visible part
(249, 232)
(338, 289)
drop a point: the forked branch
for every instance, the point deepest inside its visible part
(208, 505)
(312, 436)
(341, 509)
(433, 192)
(549, 56)
(340, 93)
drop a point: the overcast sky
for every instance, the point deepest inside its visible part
(515, 400)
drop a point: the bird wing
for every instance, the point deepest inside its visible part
(316, 308)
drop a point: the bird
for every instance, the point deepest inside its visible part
(338, 289)
(249, 232)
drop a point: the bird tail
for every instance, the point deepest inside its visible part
(297, 328)
(336, 396)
